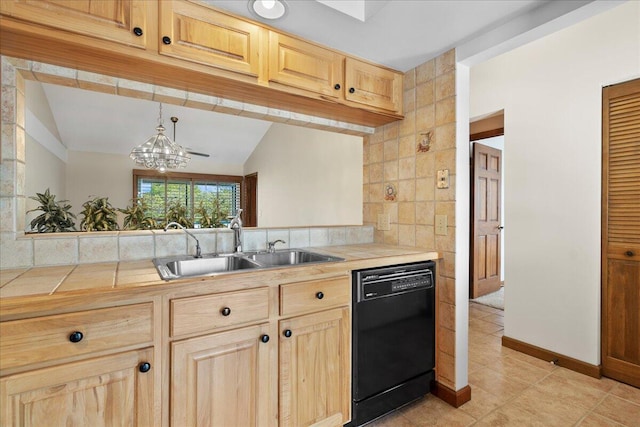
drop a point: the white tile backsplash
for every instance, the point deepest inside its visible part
(170, 243)
(73, 248)
(55, 250)
(101, 249)
(136, 247)
(254, 240)
(299, 238)
(15, 253)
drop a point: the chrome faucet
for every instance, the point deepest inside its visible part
(236, 226)
(198, 251)
(272, 245)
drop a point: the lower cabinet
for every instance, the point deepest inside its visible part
(222, 379)
(116, 390)
(315, 370)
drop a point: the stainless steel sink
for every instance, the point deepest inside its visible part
(187, 266)
(290, 257)
(175, 268)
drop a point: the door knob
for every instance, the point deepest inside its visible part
(76, 337)
(500, 227)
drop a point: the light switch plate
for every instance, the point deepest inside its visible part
(441, 225)
(384, 222)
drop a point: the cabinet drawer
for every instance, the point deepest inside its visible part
(314, 295)
(204, 313)
(49, 338)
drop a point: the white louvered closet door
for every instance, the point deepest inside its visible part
(621, 232)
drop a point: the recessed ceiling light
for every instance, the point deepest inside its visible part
(268, 9)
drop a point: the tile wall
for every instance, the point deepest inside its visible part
(399, 178)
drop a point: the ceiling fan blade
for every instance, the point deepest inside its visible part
(195, 153)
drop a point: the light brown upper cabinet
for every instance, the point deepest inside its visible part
(302, 65)
(122, 21)
(294, 62)
(198, 33)
(373, 86)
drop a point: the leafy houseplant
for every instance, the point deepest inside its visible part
(177, 212)
(136, 216)
(213, 221)
(55, 216)
(99, 215)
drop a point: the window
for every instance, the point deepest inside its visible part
(181, 197)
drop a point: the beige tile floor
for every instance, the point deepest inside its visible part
(509, 388)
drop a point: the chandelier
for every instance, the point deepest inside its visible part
(159, 152)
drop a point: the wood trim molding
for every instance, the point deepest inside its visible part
(486, 134)
(453, 398)
(558, 359)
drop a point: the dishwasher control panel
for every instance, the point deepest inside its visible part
(380, 282)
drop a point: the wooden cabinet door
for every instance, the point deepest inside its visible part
(303, 65)
(107, 391)
(222, 379)
(621, 232)
(198, 33)
(122, 21)
(315, 369)
(373, 86)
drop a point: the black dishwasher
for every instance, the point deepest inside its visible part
(393, 338)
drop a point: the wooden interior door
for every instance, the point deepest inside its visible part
(250, 208)
(621, 232)
(486, 220)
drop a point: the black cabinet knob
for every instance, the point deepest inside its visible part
(351, 90)
(319, 295)
(337, 86)
(629, 253)
(166, 40)
(225, 311)
(144, 367)
(287, 333)
(264, 338)
(138, 31)
(76, 336)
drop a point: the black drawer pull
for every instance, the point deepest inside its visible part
(166, 40)
(287, 333)
(76, 337)
(144, 367)
(629, 253)
(264, 338)
(351, 90)
(337, 86)
(319, 295)
(137, 31)
(225, 311)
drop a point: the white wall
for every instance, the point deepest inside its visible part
(551, 90)
(322, 172)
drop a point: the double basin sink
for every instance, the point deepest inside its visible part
(189, 266)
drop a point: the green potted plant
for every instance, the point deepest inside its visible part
(210, 221)
(177, 212)
(136, 216)
(99, 215)
(55, 216)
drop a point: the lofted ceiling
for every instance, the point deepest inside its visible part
(400, 34)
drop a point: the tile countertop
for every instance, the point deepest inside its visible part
(39, 284)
